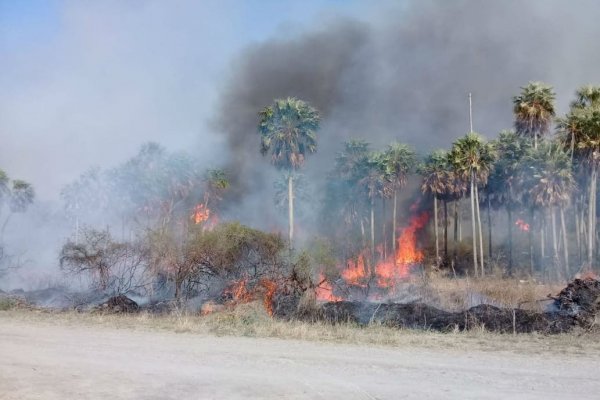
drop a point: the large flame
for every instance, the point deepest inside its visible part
(407, 254)
(356, 271)
(396, 266)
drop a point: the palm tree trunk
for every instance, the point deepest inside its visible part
(510, 239)
(435, 229)
(455, 223)
(459, 222)
(291, 209)
(555, 241)
(531, 254)
(445, 229)
(478, 209)
(591, 217)
(372, 232)
(362, 232)
(473, 230)
(542, 241)
(455, 247)
(577, 231)
(383, 228)
(489, 223)
(4, 227)
(565, 242)
(394, 226)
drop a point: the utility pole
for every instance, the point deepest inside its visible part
(470, 113)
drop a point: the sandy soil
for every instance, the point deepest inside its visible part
(49, 361)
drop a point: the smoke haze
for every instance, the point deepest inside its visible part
(112, 75)
(404, 71)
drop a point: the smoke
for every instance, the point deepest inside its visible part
(88, 85)
(403, 72)
(110, 76)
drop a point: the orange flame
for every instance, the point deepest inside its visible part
(200, 213)
(524, 226)
(324, 290)
(270, 289)
(356, 271)
(396, 266)
(238, 291)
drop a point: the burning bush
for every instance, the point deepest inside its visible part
(230, 252)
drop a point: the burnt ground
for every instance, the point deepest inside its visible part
(575, 307)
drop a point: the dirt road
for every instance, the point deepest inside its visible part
(44, 361)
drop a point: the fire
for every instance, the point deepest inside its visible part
(407, 252)
(270, 289)
(238, 291)
(524, 226)
(200, 214)
(356, 271)
(324, 290)
(396, 266)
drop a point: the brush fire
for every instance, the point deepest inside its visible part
(385, 274)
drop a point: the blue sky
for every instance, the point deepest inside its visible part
(25, 21)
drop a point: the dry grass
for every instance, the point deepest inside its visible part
(251, 320)
(456, 294)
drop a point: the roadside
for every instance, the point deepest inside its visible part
(57, 356)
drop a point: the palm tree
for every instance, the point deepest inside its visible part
(288, 131)
(344, 199)
(437, 180)
(401, 160)
(582, 125)
(216, 182)
(374, 179)
(472, 159)
(502, 188)
(549, 184)
(534, 110)
(21, 197)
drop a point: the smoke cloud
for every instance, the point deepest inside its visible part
(404, 71)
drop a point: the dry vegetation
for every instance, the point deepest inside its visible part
(461, 293)
(252, 320)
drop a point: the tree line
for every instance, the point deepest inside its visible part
(546, 177)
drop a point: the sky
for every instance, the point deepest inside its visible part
(86, 83)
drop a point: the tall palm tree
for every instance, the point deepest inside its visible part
(375, 179)
(344, 199)
(582, 126)
(288, 131)
(401, 160)
(549, 183)
(502, 188)
(472, 158)
(534, 110)
(437, 180)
